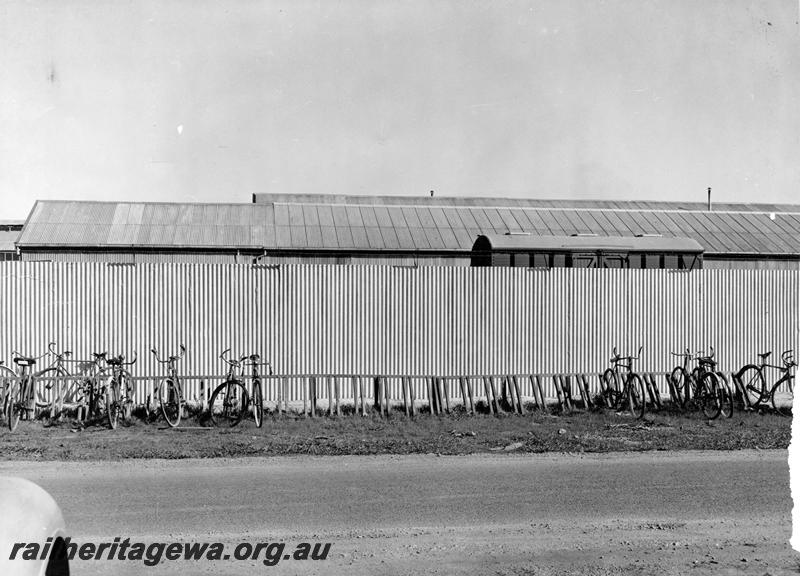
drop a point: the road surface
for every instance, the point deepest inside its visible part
(648, 513)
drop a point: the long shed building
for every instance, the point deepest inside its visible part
(404, 230)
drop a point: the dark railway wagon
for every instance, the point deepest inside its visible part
(586, 251)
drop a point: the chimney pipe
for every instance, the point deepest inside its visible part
(709, 198)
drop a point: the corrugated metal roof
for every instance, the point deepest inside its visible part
(395, 223)
(516, 202)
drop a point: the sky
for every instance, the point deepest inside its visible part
(212, 101)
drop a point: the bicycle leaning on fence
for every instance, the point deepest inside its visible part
(119, 390)
(718, 385)
(229, 401)
(753, 383)
(169, 391)
(255, 378)
(703, 387)
(20, 398)
(7, 378)
(631, 394)
(56, 378)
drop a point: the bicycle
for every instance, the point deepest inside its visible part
(169, 391)
(21, 396)
(232, 393)
(704, 387)
(119, 390)
(707, 364)
(57, 377)
(258, 395)
(7, 378)
(90, 389)
(632, 392)
(753, 383)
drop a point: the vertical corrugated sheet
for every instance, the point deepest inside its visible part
(395, 320)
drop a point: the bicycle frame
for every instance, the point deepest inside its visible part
(119, 397)
(632, 389)
(21, 397)
(758, 392)
(170, 386)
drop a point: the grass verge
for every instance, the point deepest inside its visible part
(457, 433)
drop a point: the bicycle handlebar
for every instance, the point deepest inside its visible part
(170, 358)
(20, 355)
(120, 358)
(687, 354)
(234, 363)
(60, 356)
(617, 357)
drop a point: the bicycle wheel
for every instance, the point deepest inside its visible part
(228, 403)
(753, 384)
(636, 395)
(679, 380)
(169, 396)
(14, 405)
(782, 395)
(258, 403)
(126, 395)
(727, 395)
(709, 396)
(57, 384)
(609, 388)
(112, 403)
(7, 378)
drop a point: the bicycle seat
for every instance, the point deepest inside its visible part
(765, 355)
(99, 354)
(255, 357)
(24, 361)
(115, 361)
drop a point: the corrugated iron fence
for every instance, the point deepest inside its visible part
(396, 320)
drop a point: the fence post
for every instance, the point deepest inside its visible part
(587, 396)
(354, 384)
(487, 388)
(383, 395)
(537, 402)
(313, 396)
(559, 392)
(515, 383)
(376, 396)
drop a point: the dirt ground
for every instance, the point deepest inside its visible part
(652, 513)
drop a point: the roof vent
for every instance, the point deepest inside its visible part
(643, 235)
(517, 233)
(584, 234)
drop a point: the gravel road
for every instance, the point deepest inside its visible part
(633, 513)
